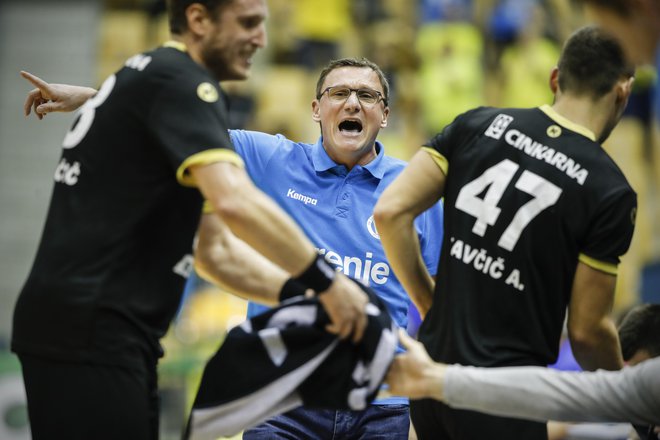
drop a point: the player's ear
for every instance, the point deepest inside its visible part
(316, 111)
(624, 87)
(622, 91)
(198, 18)
(554, 80)
(383, 121)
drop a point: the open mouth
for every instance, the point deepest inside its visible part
(351, 126)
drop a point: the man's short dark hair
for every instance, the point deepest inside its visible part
(640, 330)
(591, 63)
(176, 10)
(353, 62)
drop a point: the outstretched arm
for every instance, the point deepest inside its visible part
(539, 393)
(47, 98)
(534, 393)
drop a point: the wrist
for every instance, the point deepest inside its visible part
(290, 289)
(435, 376)
(318, 276)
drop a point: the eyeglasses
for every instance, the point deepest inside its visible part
(341, 94)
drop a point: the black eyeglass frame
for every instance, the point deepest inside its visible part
(380, 95)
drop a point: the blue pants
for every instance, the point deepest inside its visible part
(385, 422)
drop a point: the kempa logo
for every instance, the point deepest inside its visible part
(498, 126)
(292, 194)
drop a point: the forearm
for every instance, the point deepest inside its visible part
(266, 227)
(591, 331)
(401, 245)
(254, 217)
(230, 263)
(598, 347)
(538, 393)
(258, 221)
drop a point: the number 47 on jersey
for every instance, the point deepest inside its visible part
(497, 178)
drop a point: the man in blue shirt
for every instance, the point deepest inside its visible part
(330, 188)
(334, 204)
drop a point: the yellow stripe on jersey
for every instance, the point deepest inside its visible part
(559, 119)
(205, 158)
(207, 208)
(176, 45)
(438, 158)
(598, 265)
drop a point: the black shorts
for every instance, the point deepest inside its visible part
(436, 421)
(69, 400)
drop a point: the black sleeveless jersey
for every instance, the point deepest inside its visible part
(115, 250)
(528, 194)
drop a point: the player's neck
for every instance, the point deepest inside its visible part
(192, 46)
(582, 111)
(350, 159)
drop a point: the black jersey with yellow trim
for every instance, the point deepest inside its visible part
(528, 194)
(117, 243)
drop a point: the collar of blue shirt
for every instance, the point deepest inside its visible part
(323, 162)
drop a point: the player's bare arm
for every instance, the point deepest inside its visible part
(257, 220)
(416, 189)
(592, 332)
(47, 98)
(227, 261)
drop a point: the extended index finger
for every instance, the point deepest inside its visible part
(35, 80)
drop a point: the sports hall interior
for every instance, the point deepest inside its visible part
(442, 57)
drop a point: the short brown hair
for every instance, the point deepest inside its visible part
(591, 63)
(353, 62)
(640, 330)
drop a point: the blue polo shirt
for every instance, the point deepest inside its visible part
(335, 207)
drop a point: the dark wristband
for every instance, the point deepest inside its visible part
(291, 289)
(318, 276)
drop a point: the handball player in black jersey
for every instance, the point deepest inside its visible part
(537, 216)
(141, 156)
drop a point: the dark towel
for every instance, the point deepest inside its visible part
(284, 358)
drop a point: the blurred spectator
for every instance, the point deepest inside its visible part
(525, 64)
(445, 10)
(450, 75)
(501, 23)
(507, 24)
(319, 27)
